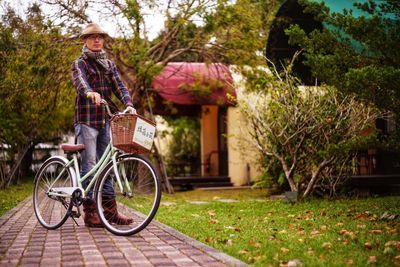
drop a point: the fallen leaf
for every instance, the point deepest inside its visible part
(368, 245)
(361, 217)
(209, 239)
(339, 224)
(229, 242)
(349, 262)
(375, 231)
(372, 259)
(345, 242)
(322, 256)
(243, 251)
(322, 212)
(327, 245)
(284, 250)
(361, 226)
(211, 213)
(291, 225)
(396, 260)
(342, 232)
(350, 234)
(213, 221)
(323, 227)
(254, 243)
(315, 232)
(393, 243)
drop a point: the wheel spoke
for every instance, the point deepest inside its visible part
(51, 211)
(139, 206)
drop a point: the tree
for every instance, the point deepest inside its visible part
(205, 30)
(308, 130)
(356, 53)
(35, 88)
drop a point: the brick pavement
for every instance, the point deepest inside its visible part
(24, 242)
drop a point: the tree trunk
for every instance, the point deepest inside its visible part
(315, 175)
(288, 175)
(165, 184)
(15, 170)
(26, 163)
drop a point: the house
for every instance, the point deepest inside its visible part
(208, 91)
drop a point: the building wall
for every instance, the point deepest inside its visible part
(242, 154)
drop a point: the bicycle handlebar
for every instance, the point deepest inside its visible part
(104, 102)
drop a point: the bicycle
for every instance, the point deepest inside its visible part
(58, 185)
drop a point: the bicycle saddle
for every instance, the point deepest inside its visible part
(70, 148)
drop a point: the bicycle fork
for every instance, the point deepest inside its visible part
(117, 173)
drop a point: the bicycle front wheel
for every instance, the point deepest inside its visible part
(52, 210)
(138, 200)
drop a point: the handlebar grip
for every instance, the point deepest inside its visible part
(104, 102)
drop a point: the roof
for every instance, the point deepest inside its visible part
(193, 83)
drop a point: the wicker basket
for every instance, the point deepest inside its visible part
(132, 133)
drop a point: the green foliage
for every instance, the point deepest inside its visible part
(36, 91)
(239, 30)
(35, 88)
(356, 53)
(183, 149)
(308, 130)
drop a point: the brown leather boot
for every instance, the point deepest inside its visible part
(112, 215)
(91, 218)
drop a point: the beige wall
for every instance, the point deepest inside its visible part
(242, 154)
(209, 139)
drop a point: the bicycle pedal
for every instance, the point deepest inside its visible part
(74, 214)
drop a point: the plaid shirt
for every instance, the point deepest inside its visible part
(88, 76)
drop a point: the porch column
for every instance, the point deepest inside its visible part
(209, 140)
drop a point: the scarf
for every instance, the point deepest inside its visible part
(99, 57)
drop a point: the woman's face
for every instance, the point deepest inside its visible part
(95, 42)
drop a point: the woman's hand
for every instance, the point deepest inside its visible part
(95, 97)
(130, 110)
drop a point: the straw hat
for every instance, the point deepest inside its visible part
(92, 28)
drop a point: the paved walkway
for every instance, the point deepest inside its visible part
(24, 242)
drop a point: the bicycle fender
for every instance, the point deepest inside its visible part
(71, 170)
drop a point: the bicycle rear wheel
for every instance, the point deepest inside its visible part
(52, 211)
(140, 203)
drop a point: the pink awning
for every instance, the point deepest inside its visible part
(187, 83)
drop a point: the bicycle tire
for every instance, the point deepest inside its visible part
(141, 206)
(52, 212)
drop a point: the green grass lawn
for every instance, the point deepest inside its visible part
(10, 197)
(266, 232)
(270, 232)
